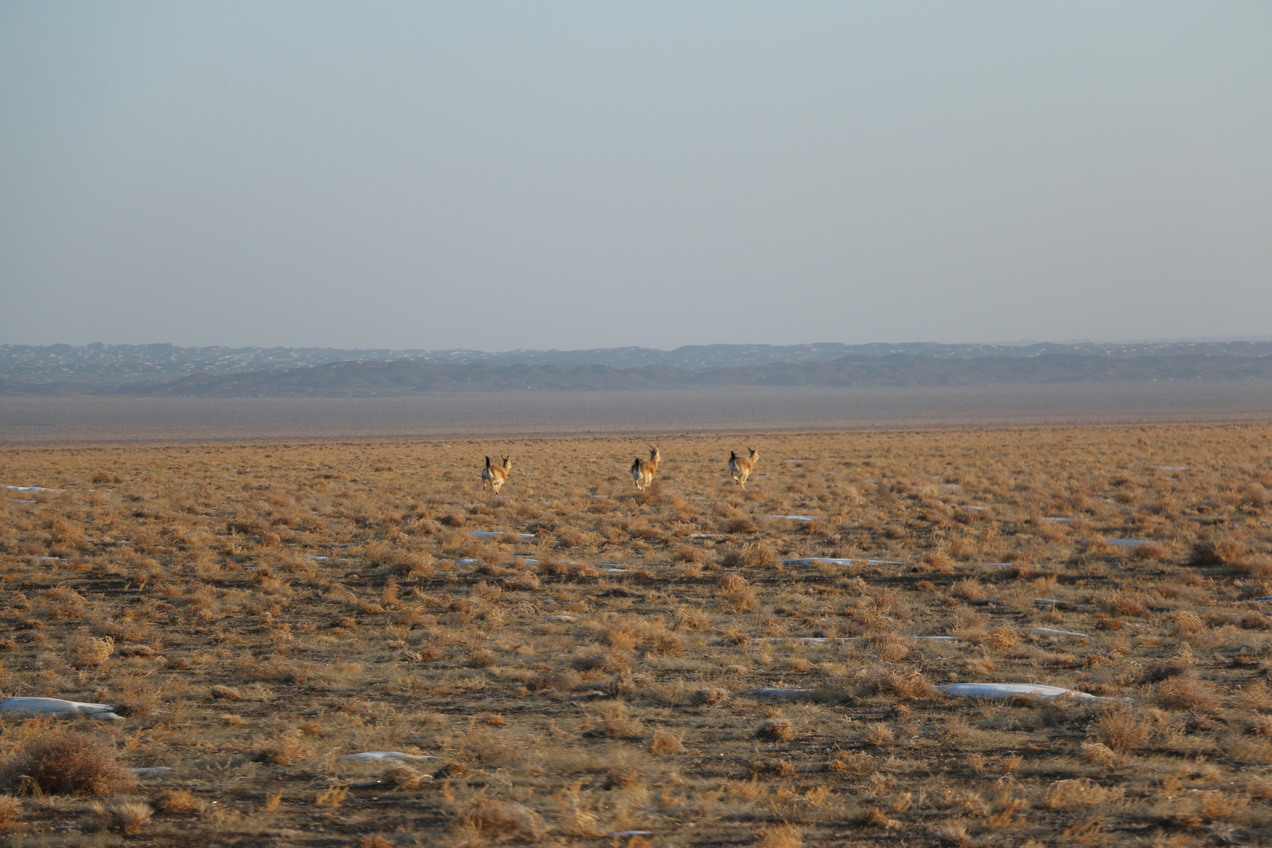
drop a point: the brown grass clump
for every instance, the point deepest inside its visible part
(1123, 728)
(127, 817)
(900, 684)
(780, 836)
(776, 730)
(1079, 792)
(69, 762)
(491, 818)
(1187, 693)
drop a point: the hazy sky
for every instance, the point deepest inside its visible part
(500, 175)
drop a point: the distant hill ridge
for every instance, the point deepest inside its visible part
(163, 369)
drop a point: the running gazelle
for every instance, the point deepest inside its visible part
(740, 467)
(643, 470)
(493, 476)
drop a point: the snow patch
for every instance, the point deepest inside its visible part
(386, 757)
(1013, 690)
(838, 561)
(57, 707)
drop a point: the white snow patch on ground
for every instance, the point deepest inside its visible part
(1128, 543)
(55, 706)
(500, 533)
(1012, 690)
(387, 757)
(822, 640)
(795, 517)
(838, 561)
(1051, 631)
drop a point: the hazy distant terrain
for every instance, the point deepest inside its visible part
(52, 419)
(163, 370)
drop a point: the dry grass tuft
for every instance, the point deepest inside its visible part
(490, 817)
(776, 730)
(127, 817)
(1188, 693)
(780, 836)
(67, 763)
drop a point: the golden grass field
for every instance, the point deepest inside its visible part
(580, 664)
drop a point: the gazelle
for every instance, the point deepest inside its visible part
(740, 468)
(493, 476)
(643, 470)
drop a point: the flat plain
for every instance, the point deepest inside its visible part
(571, 662)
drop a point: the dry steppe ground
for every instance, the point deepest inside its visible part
(589, 665)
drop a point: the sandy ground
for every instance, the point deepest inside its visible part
(42, 421)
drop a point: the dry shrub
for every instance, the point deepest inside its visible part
(938, 561)
(737, 593)
(614, 659)
(665, 645)
(969, 589)
(492, 817)
(908, 685)
(614, 720)
(1188, 623)
(1128, 603)
(84, 651)
(879, 734)
(1099, 754)
(1123, 728)
(780, 836)
(285, 751)
(1218, 552)
(128, 817)
(404, 777)
(178, 801)
(739, 524)
(666, 742)
(68, 763)
(752, 555)
(65, 603)
(1187, 693)
(561, 680)
(709, 696)
(1079, 792)
(480, 658)
(776, 730)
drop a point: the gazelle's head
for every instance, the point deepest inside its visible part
(507, 461)
(653, 453)
(755, 454)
